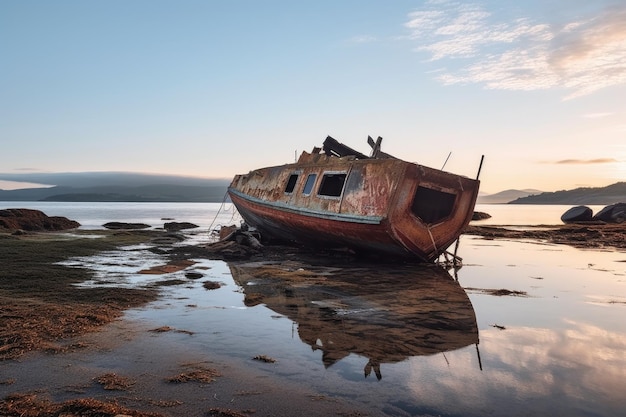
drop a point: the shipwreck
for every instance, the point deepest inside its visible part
(336, 196)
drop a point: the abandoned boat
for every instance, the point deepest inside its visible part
(336, 196)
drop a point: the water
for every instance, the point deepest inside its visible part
(380, 337)
(94, 215)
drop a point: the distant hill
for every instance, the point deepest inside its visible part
(610, 194)
(506, 196)
(133, 187)
(116, 186)
(95, 179)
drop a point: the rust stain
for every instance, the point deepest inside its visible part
(382, 205)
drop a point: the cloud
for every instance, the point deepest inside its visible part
(362, 39)
(581, 56)
(597, 115)
(572, 365)
(586, 161)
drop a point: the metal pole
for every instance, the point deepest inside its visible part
(480, 166)
(444, 164)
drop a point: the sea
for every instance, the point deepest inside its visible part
(550, 340)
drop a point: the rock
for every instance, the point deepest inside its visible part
(479, 215)
(577, 214)
(211, 285)
(193, 275)
(122, 225)
(15, 219)
(614, 213)
(176, 226)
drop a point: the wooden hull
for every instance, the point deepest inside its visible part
(387, 206)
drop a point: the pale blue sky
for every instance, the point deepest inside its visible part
(216, 88)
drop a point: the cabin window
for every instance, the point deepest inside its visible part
(432, 206)
(291, 183)
(332, 184)
(310, 182)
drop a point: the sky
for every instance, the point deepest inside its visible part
(216, 88)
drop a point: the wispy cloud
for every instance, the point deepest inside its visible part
(587, 161)
(597, 115)
(362, 39)
(581, 56)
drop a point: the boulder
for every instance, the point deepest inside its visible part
(29, 220)
(479, 215)
(577, 214)
(176, 226)
(614, 213)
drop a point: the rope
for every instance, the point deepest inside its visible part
(432, 239)
(218, 212)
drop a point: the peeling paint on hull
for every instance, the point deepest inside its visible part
(382, 205)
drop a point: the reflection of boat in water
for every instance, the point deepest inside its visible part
(384, 314)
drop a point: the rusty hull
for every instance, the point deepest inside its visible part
(379, 208)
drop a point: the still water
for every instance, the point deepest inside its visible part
(394, 340)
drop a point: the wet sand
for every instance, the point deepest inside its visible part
(583, 235)
(157, 378)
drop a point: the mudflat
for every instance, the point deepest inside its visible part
(44, 313)
(47, 322)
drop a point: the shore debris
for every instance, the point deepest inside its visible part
(236, 243)
(502, 292)
(264, 358)
(227, 412)
(114, 382)
(205, 376)
(32, 405)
